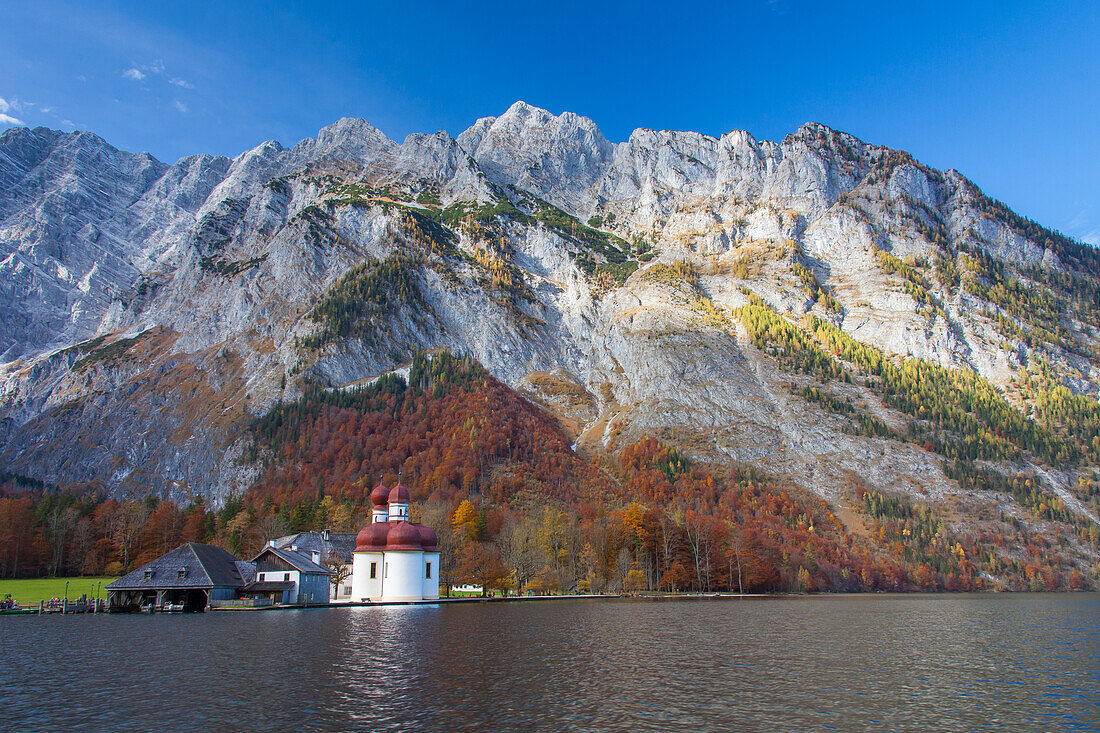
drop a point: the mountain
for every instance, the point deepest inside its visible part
(822, 309)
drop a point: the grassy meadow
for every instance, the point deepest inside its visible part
(33, 590)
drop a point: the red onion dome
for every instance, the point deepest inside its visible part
(372, 538)
(380, 494)
(428, 539)
(399, 494)
(403, 536)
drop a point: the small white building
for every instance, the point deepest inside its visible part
(394, 559)
(468, 588)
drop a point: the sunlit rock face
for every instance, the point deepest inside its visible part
(150, 311)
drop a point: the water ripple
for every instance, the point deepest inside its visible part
(853, 663)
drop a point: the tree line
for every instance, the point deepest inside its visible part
(515, 507)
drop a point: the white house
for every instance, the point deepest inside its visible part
(330, 546)
(394, 559)
(289, 576)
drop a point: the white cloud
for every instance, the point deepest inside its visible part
(181, 83)
(157, 67)
(133, 73)
(81, 77)
(180, 106)
(1091, 237)
(47, 110)
(67, 123)
(10, 106)
(1082, 226)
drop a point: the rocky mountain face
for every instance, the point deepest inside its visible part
(151, 311)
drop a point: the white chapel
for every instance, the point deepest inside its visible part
(394, 559)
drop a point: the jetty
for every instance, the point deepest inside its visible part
(63, 605)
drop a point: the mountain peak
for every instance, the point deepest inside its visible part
(350, 127)
(809, 131)
(539, 117)
(520, 108)
(529, 147)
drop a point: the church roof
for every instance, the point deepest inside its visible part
(403, 536)
(428, 538)
(399, 494)
(372, 537)
(381, 495)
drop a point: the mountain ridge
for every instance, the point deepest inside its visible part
(152, 311)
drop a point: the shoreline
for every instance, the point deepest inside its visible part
(653, 597)
(519, 599)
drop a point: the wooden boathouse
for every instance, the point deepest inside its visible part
(192, 577)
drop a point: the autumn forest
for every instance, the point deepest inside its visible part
(516, 509)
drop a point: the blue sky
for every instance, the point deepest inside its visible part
(1006, 92)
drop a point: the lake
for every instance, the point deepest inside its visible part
(868, 662)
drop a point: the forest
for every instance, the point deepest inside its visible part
(958, 413)
(516, 509)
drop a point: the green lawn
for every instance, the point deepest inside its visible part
(33, 590)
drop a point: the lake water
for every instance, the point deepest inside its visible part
(943, 662)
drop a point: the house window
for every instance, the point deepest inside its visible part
(428, 571)
(181, 573)
(286, 576)
(148, 572)
(373, 570)
(347, 590)
(386, 571)
(261, 577)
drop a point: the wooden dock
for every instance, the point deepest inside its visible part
(89, 605)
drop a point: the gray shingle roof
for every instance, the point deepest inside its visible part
(247, 571)
(202, 566)
(268, 585)
(342, 544)
(297, 559)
